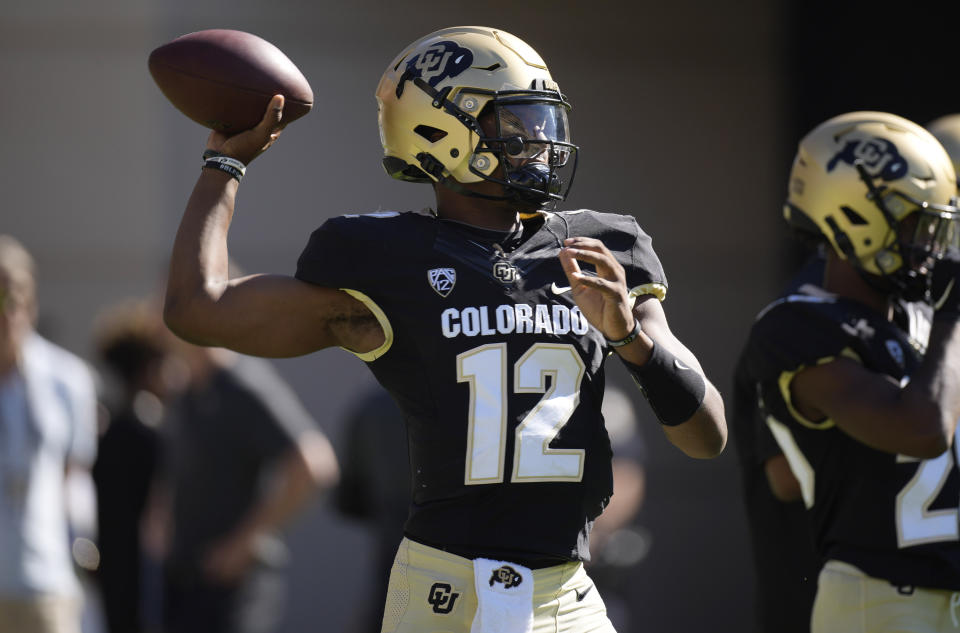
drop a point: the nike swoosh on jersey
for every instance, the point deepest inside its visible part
(558, 290)
(581, 596)
(679, 365)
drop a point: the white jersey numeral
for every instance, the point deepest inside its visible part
(916, 524)
(484, 368)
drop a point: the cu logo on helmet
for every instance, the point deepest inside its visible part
(441, 60)
(880, 157)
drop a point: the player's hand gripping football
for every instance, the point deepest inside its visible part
(247, 145)
(603, 298)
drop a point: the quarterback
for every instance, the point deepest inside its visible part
(857, 376)
(488, 319)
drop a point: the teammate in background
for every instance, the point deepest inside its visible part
(487, 318)
(863, 398)
(946, 129)
(48, 432)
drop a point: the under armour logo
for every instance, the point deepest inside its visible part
(442, 280)
(505, 272)
(442, 597)
(506, 575)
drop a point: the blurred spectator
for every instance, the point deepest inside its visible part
(47, 429)
(242, 457)
(375, 488)
(618, 543)
(133, 347)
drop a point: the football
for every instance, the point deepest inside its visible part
(224, 79)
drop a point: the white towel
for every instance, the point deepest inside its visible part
(504, 597)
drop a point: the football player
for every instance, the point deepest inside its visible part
(860, 391)
(487, 318)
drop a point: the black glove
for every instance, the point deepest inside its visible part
(945, 284)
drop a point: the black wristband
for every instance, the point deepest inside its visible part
(629, 338)
(228, 169)
(674, 391)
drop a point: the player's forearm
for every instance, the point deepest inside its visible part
(199, 263)
(704, 435)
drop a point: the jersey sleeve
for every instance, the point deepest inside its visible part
(645, 273)
(334, 253)
(788, 337)
(630, 245)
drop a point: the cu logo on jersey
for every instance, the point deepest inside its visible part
(506, 575)
(878, 155)
(440, 61)
(442, 280)
(505, 272)
(442, 597)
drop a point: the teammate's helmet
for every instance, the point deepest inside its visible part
(882, 191)
(946, 129)
(431, 98)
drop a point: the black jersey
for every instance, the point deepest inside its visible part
(894, 517)
(498, 373)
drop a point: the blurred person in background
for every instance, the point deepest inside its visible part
(48, 417)
(861, 395)
(375, 488)
(241, 458)
(134, 348)
(618, 543)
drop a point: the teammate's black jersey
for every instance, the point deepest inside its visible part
(498, 373)
(892, 516)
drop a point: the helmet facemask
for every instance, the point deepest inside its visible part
(919, 234)
(531, 142)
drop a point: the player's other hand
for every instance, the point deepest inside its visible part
(247, 145)
(945, 284)
(603, 298)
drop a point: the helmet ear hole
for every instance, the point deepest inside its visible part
(853, 217)
(430, 133)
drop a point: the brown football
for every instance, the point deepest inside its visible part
(224, 79)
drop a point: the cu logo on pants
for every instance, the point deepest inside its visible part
(442, 597)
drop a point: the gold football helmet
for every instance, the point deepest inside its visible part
(882, 191)
(431, 102)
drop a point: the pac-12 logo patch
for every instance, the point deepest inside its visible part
(878, 155)
(442, 280)
(507, 575)
(440, 61)
(442, 597)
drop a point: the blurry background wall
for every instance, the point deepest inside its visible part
(687, 113)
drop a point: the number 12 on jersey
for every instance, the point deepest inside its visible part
(485, 370)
